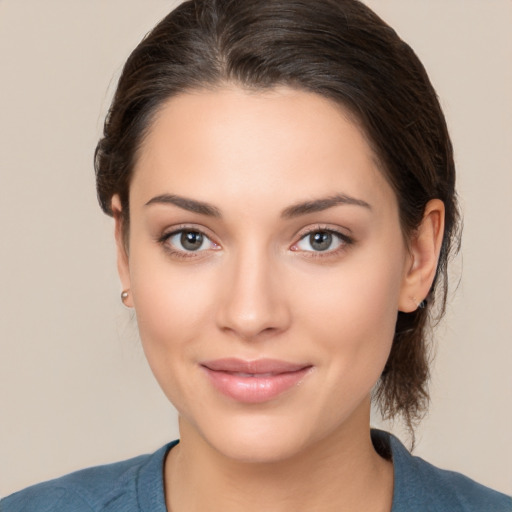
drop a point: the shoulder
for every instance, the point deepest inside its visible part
(86, 490)
(450, 491)
(110, 487)
(422, 486)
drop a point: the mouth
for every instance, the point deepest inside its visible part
(255, 381)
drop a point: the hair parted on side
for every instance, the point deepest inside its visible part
(341, 50)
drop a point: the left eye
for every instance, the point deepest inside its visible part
(320, 241)
(190, 241)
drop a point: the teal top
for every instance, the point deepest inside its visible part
(136, 485)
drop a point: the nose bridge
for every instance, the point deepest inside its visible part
(254, 303)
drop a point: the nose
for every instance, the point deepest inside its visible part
(254, 303)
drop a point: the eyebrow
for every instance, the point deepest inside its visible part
(187, 204)
(296, 210)
(319, 205)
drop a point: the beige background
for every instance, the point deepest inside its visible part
(74, 386)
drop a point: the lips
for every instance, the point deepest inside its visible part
(255, 381)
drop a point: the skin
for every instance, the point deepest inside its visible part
(257, 288)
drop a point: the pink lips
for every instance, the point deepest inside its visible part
(254, 381)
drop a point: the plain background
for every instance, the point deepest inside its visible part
(74, 386)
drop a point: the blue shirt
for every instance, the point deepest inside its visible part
(136, 485)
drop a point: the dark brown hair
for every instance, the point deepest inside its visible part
(341, 50)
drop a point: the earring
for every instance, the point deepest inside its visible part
(124, 296)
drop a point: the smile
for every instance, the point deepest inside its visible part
(254, 381)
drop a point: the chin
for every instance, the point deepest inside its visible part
(259, 450)
(257, 438)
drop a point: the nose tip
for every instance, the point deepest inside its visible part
(254, 305)
(250, 327)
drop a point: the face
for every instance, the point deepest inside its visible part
(266, 266)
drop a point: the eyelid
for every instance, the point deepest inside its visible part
(174, 230)
(345, 239)
(328, 228)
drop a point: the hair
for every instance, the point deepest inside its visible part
(341, 50)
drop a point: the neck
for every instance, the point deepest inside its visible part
(339, 473)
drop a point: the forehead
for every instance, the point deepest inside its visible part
(281, 144)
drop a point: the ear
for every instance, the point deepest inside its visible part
(123, 262)
(424, 249)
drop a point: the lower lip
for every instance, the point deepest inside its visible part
(258, 389)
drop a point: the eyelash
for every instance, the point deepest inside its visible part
(345, 242)
(183, 254)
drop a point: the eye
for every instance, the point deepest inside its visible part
(189, 240)
(321, 241)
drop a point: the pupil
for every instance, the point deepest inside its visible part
(191, 240)
(321, 241)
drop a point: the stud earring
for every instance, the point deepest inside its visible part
(124, 296)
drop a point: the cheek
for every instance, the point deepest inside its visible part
(167, 295)
(352, 313)
(173, 306)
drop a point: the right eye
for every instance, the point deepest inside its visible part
(189, 240)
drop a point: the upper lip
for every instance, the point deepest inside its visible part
(254, 367)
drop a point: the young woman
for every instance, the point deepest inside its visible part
(282, 184)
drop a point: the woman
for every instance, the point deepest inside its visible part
(282, 184)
